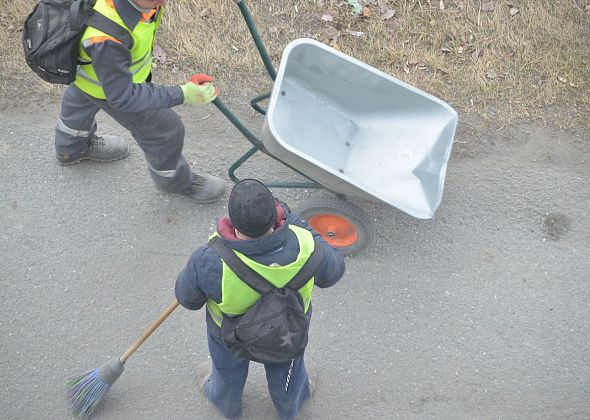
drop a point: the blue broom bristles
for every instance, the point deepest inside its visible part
(85, 392)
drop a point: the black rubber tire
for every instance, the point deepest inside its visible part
(353, 214)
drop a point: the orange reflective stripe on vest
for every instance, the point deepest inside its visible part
(99, 39)
(146, 17)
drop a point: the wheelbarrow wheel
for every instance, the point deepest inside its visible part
(343, 225)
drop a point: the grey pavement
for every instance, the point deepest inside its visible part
(480, 313)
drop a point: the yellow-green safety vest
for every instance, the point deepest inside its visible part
(237, 297)
(141, 53)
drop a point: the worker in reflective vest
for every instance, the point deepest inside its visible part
(268, 237)
(116, 78)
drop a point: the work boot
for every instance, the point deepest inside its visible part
(204, 370)
(205, 189)
(100, 148)
(203, 374)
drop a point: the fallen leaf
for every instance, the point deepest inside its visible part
(488, 6)
(205, 13)
(413, 62)
(406, 69)
(327, 17)
(587, 9)
(514, 11)
(388, 15)
(491, 74)
(331, 33)
(445, 49)
(367, 12)
(358, 34)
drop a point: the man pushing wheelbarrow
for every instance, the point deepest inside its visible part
(112, 72)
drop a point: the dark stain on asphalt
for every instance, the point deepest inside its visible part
(428, 400)
(556, 225)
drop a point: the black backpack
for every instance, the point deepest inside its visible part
(275, 328)
(52, 34)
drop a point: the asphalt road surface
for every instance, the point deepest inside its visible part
(480, 313)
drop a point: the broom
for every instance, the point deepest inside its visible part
(86, 391)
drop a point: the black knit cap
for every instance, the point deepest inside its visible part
(251, 208)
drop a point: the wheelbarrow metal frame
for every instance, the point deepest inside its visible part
(256, 142)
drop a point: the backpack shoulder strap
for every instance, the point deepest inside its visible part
(104, 24)
(245, 273)
(309, 268)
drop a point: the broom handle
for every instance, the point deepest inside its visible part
(149, 331)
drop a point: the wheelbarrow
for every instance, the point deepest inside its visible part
(353, 130)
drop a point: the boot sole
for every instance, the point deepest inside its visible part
(75, 162)
(204, 200)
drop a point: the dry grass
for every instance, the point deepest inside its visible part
(488, 63)
(221, 44)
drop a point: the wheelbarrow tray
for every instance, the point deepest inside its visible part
(358, 131)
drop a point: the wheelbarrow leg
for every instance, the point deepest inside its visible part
(249, 154)
(238, 124)
(232, 169)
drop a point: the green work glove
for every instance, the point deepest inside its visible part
(198, 94)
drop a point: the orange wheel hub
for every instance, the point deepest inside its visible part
(336, 230)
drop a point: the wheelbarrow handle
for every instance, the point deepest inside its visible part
(257, 40)
(237, 123)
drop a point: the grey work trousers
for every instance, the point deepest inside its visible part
(159, 133)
